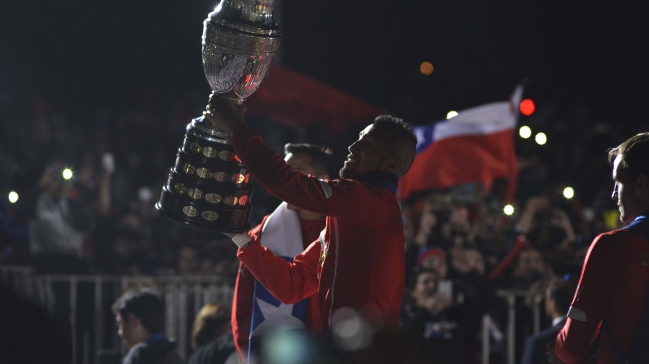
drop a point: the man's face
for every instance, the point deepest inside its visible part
(188, 260)
(131, 330)
(437, 264)
(625, 193)
(529, 262)
(124, 332)
(300, 162)
(367, 154)
(425, 287)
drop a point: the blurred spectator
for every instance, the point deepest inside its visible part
(467, 260)
(212, 338)
(126, 254)
(140, 321)
(436, 322)
(547, 226)
(13, 235)
(433, 259)
(528, 268)
(188, 260)
(558, 297)
(468, 276)
(530, 275)
(218, 260)
(56, 225)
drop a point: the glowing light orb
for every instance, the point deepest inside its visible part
(13, 197)
(508, 210)
(568, 193)
(426, 68)
(67, 173)
(527, 107)
(525, 132)
(452, 114)
(541, 138)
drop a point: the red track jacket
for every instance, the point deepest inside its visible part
(358, 261)
(612, 286)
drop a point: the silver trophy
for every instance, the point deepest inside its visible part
(209, 187)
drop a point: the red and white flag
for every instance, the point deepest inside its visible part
(477, 145)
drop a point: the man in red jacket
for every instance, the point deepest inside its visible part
(286, 232)
(611, 293)
(358, 262)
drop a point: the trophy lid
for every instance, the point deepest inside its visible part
(249, 16)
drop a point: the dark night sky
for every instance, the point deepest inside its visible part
(84, 55)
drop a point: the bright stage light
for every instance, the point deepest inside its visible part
(13, 197)
(508, 210)
(568, 193)
(527, 107)
(426, 68)
(452, 114)
(541, 139)
(67, 174)
(525, 132)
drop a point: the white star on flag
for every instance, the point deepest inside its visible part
(277, 318)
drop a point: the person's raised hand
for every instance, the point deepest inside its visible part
(426, 223)
(537, 203)
(242, 240)
(437, 303)
(225, 114)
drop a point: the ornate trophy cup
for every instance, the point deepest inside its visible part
(209, 187)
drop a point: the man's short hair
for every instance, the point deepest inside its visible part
(145, 305)
(562, 292)
(634, 152)
(402, 135)
(320, 155)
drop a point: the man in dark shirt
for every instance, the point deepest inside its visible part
(557, 302)
(438, 326)
(140, 321)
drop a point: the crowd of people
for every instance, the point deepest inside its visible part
(460, 247)
(101, 220)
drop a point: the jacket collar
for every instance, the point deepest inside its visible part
(386, 180)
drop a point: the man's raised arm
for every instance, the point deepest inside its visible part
(336, 199)
(288, 282)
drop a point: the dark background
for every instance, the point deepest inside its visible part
(85, 55)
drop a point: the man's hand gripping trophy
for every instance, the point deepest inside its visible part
(224, 114)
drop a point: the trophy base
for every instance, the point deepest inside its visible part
(175, 218)
(197, 226)
(208, 188)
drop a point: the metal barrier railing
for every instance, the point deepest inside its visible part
(183, 297)
(90, 297)
(510, 348)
